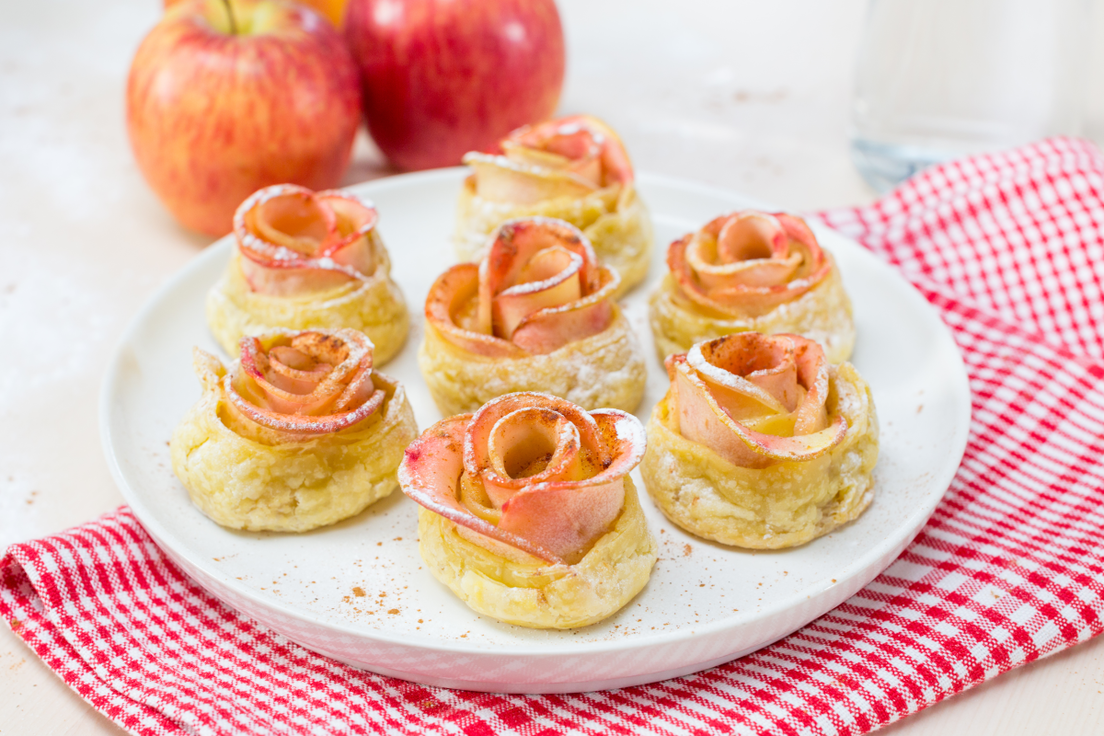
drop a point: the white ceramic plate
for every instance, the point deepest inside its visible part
(358, 591)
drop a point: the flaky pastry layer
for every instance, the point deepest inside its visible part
(783, 505)
(258, 484)
(614, 219)
(823, 314)
(601, 371)
(527, 591)
(374, 306)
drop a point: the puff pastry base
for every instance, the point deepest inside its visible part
(616, 223)
(822, 314)
(375, 307)
(783, 505)
(601, 371)
(527, 591)
(257, 483)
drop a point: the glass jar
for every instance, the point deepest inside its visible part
(941, 79)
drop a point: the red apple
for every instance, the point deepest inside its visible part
(444, 77)
(222, 104)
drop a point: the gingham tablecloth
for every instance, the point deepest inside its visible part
(1009, 248)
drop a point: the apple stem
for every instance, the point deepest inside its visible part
(230, 15)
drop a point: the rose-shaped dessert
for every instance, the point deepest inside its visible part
(761, 442)
(536, 315)
(300, 432)
(307, 260)
(574, 169)
(528, 513)
(751, 272)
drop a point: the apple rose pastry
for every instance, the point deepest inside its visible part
(307, 260)
(574, 169)
(751, 272)
(528, 513)
(760, 442)
(536, 315)
(299, 433)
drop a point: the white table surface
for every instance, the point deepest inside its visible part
(743, 94)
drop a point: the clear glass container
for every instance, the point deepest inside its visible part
(941, 79)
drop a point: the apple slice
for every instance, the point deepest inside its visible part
(305, 383)
(747, 263)
(730, 390)
(528, 470)
(294, 241)
(538, 288)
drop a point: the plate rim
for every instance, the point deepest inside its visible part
(218, 250)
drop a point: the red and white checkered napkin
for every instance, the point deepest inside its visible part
(1008, 247)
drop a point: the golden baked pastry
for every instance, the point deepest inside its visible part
(300, 432)
(760, 442)
(573, 169)
(307, 260)
(536, 315)
(528, 513)
(751, 272)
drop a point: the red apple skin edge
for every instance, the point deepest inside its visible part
(443, 77)
(213, 117)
